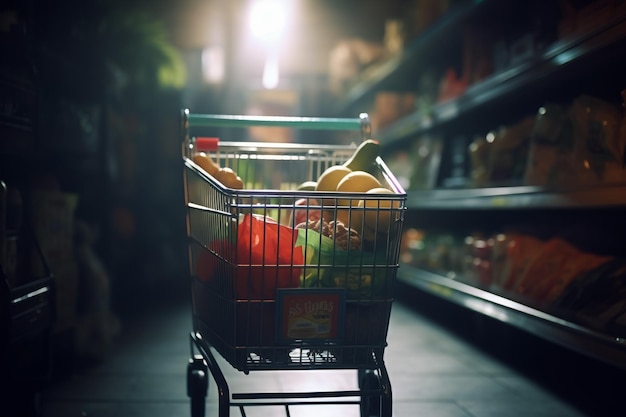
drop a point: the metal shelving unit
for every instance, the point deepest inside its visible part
(600, 346)
(570, 54)
(533, 80)
(518, 197)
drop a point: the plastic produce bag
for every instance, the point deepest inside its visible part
(267, 257)
(263, 258)
(362, 274)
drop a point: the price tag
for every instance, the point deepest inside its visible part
(311, 315)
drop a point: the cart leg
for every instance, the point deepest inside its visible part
(208, 360)
(223, 392)
(386, 397)
(376, 400)
(197, 385)
(369, 383)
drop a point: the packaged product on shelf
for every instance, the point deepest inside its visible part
(556, 265)
(499, 249)
(551, 145)
(348, 59)
(426, 157)
(508, 152)
(577, 146)
(521, 252)
(394, 36)
(597, 298)
(598, 146)
(456, 163)
(390, 106)
(467, 270)
(451, 86)
(479, 159)
(477, 264)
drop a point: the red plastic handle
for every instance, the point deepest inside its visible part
(207, 144)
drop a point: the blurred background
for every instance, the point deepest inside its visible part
(499, 109)
(90, 151)
(106, 81)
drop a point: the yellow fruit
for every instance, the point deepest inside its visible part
(356, 182)
(330, 178)
(307, 186)
(378, 213)
(206, 163)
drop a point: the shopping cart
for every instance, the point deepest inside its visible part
(270, 294)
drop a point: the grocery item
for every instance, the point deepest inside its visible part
(308, 211)
(364, 156)
(378, 213)
(551, 145)
(507, 153)
(307, 186)
(479, 160)
(597, 298)
(229, 178)
(598, 148)
(361, 273)
(577, 145)
(556, 265)
(261, 248)
(329, 179)
(206, 163)
(356, 182)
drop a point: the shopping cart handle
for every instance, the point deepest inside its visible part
(361, 123)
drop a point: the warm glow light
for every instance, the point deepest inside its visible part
(268, 19)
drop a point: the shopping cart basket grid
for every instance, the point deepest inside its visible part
(270, 294)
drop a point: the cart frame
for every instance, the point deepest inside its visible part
(208, 203)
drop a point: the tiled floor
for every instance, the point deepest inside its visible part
(435, 371)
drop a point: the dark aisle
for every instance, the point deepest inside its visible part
(438, 368)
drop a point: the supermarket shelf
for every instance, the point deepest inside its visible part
(383, 74)
(542, 71)
(519, 197)
(600, 346)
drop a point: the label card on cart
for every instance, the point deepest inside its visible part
(312, 315)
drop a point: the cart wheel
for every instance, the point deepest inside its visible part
(197, 385)
(370, 403)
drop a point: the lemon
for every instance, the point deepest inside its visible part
(378, 213)
(329, 179)
(356, 182)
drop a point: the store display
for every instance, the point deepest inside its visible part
(527, 127)
(552, 274)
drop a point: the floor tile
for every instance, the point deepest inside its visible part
(518, 408)
(447, 387)
(434, 372)
(82, 408)
(428, 409)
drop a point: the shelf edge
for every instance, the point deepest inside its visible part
(590, 343)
